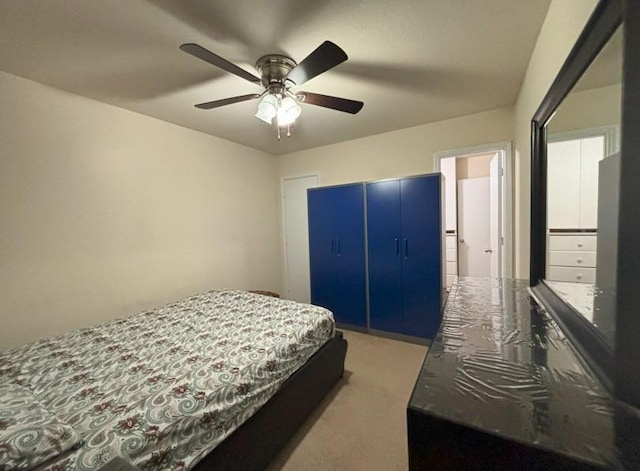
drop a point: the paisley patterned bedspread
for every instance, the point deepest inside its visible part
(163, 387)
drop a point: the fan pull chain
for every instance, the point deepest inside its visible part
(288, 131)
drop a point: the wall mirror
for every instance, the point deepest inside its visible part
(576, 135)
(583, 143)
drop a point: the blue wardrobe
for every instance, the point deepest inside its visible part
(337, 251)
(405, 255)
(398, 251)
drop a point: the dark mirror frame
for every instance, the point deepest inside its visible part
(618, 366)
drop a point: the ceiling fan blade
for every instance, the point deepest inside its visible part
(204, 54)
(227, 101)
(324, 57)
(335, 103)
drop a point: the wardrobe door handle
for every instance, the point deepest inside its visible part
(397, 246)
(406, 248)
(339, 253)
(333, 245)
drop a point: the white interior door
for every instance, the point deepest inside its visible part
(494, 216)
(474, 237)
(296, 237)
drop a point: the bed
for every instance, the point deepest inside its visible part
(217, 380)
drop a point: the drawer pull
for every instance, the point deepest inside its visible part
(579, 276)
(579, 244)
(579, 260)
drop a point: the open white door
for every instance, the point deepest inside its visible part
(494, 215)
(473, 227)
(296, 237)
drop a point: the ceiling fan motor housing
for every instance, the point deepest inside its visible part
(273, 69)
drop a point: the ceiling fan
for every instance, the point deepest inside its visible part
(279, 75)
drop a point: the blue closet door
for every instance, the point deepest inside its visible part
(350, 291)
(336, 251)
(385, 269)
(322, 261)
(421, 255)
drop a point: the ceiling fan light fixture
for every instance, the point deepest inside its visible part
(278, 74)
(288, 111)
(267, 108)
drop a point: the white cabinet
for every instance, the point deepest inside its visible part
(572, 182)
(451, 258)
(572, 204)
(592, 152)
(448, 169)
(563, 185)
(572, 257)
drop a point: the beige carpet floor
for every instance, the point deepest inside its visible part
(361, 424)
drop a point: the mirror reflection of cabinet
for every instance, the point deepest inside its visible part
(572, 167)
(448, 169)
(572, 205)
(572, 257)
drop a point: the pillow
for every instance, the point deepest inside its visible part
(29, 433)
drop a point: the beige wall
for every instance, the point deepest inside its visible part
(564, 22)
(398, 153)
(106, 212)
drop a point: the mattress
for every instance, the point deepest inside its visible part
(163, 387)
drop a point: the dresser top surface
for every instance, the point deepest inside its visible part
(501, 365)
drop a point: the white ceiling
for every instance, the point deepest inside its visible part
(410, 61)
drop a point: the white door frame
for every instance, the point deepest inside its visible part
(610, 133)
(283, 225)
(506, 193)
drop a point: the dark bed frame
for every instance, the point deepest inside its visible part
(257, 442)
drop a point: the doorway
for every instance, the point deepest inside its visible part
(477, 210)
(296, 236)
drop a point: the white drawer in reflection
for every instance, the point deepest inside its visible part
(572, 259)
(580, 275)
(580, 242)
(451, 241)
